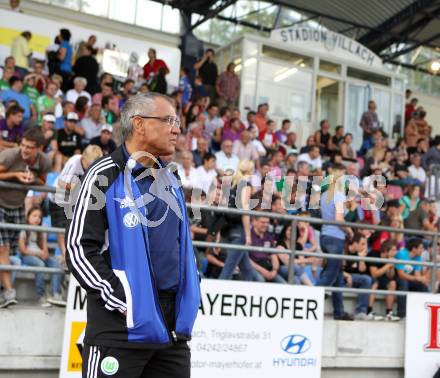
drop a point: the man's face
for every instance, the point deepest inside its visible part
(261, 224)
(31, 82)
(92, 40)
(213, 111)
(45, 125)
(151, 54)
(416, 160)
(210, 164)
(38, 68)
(264, 109)
(286, 126)
(16, 119)
(303, 170)
(105, 136)
(202, 145)
(227, 147)
(245, 137)
(7, 73)
(277, 207)
(325, 126)
(419, 250)
(10, 62)
(51, 90)
(95, 112)
(278, 158)
(68, 108)
(28, 150)
(372, 106)
(251, 118)
(18, 86)
(361, 245)
(79, 85)
(157, 137)
(129, 86)
(70, 125)
(210, 55)
(236, 113)
(186, 160)
(107, 91)
(314, 152)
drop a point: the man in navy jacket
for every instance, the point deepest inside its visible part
(129, 246)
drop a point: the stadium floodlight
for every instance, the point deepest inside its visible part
(435, 65)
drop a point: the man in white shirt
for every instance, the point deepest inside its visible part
(415, 170)
(186, 170)
(92, 125)
(69, 177)
(79, 86)
(206, 173)
(313, 158)
(226, 160)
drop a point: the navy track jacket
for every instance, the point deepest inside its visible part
(107, 254)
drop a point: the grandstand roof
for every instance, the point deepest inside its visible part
(389, 28)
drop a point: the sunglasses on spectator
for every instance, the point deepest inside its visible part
(169, 120)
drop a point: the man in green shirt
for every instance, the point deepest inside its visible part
(8, 72)
(47, 102)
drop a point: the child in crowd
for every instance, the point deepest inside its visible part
(34, 251)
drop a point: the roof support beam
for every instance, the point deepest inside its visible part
(236, 21)
(288, 4)
(410, 48)
(411, 67)
(394, 21)
(213, 13)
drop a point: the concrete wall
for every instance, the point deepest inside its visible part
(31, 337)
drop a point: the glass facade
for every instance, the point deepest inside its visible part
(144, 13)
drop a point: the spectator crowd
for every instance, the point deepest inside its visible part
(59, 115)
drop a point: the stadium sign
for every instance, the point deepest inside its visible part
(244, 329)
(327, 42)
(256, 330)
(422, 345)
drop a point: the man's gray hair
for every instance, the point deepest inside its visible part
(80, 79)
(139, 104)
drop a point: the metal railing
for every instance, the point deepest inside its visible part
(293, 253)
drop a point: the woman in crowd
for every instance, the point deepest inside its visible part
(410, 201)
(333, 238)
(238, 229)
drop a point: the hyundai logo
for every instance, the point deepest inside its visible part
(295, 344)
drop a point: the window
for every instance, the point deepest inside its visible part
(96, 8)
(148, 14)
(123, 10)
(287, 56)
(170, 20)
(369, 76)
(327, 66)
(71, 4)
